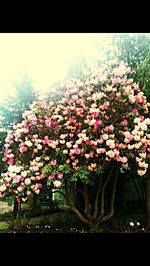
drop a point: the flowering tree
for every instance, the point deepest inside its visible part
(96, 130)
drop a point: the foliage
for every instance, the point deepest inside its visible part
(135, 51)
(96, 129)
(3, 166)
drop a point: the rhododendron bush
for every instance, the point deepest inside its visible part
(97, 129)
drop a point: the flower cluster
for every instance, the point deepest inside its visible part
(98, 121)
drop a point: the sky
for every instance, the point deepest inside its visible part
(46, 57)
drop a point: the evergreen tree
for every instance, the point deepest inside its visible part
(13, 106)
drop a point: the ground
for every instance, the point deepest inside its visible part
(58, 222)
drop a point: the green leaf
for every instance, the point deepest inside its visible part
(10, 201)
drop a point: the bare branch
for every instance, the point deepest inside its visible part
(77, 212)
(96, 199)
(111, 213)
(86, 198)
(103, 194)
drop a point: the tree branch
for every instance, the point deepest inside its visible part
(96, 199)
(103, 195)
(77, 212)
(111, 213)
(86, 198)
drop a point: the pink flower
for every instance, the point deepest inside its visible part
(60, 175)
(7, 151)
(48, 122)
(81, 93)
(68, 110)
(77, 150)
(11, 161)
(95, 114)
(99, 123)
(138, 100)
(44, 105)
(16, 180)
(39, 185)
(18, 200)
(104, 136)
(51, 176)
(88, 141)
(148, 155)
(25, 126)
(79, 101)
(53, 121)
(124, 122)
(1, 195)
(141, 117)
(95, 129)
(104, 106)
(70, 121)
(116, 81)
(135, 111)
(78, 131)
(23, 149)
(53, 162)
(74, 97)
(100, 150)
(46, 140)
(111, 127)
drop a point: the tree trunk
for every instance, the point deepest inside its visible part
(15, 209)
(147, 202)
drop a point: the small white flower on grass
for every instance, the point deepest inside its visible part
(138, 223)
(131, 224)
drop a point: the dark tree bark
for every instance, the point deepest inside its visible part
(147, 202)
(15, 209)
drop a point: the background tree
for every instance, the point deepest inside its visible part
(134, 49)
(12, 107)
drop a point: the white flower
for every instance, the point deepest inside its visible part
(39, 147)
(57, 183)
(27, 181)
(65, 151)
(38, 159)
(2, 188)
(138, 223)
(110, 153)
(136, 137)
(141, 172)
(28, 143)
(62, 136)
(110, 143)
(46, 158)
(37, 191)
(28, 192)
(20, 188)
(68, 144)
(24, 173)
(62, 141)
(131, 224)
(147, 120)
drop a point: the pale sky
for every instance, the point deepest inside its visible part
(45, 56)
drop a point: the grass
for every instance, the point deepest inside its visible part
(4, 225)
(57, 217)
